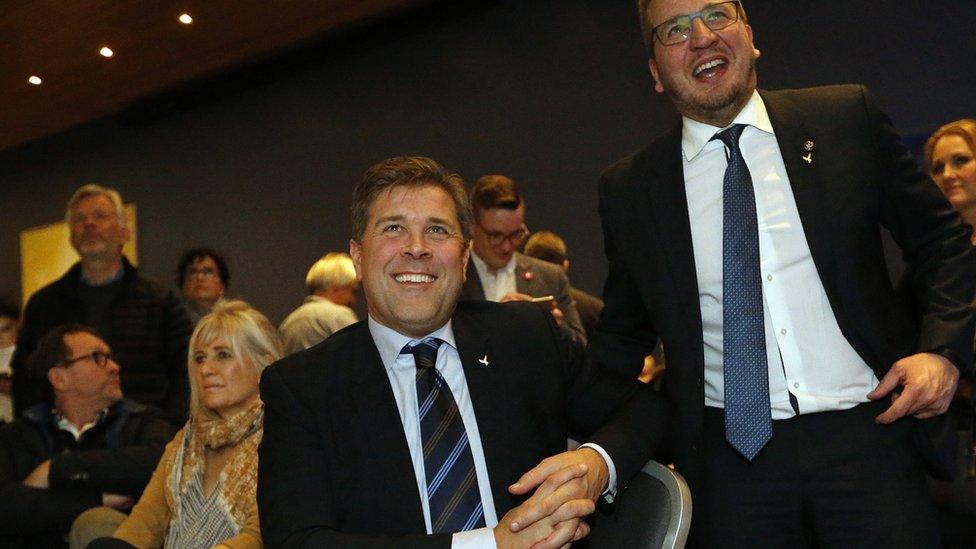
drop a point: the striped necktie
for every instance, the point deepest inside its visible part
(748, 424)
(452, 486)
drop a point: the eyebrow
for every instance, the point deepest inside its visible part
(401, 217)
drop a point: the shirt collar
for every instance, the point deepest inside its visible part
(483, 268)
(65, 425)
(390, 342)
(695, 135)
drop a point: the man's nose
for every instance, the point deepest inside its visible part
(701, 35)
(416, 247)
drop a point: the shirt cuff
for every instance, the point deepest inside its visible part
(611, 492)
(482, 538)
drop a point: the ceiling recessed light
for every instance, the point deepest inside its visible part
(185, 18)
(34, 79)
(106, 51)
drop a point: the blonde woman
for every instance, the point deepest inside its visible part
(202, 493)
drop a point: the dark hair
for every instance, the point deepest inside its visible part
(52, 350)
(9, 309)
(547, 246)
(495, 191)
(407, 171)
(647, 29)
(194, 254)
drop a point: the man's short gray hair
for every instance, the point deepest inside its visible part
(332, 270)
(93, 189)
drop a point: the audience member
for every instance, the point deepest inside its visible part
(203, 277)
(9, 326)
(950, 156)
(202, 494)
(332, 286)
(759, 264)
(143, 322)
(497, 272)
(359, 427)
(82, 446)
(548, 246)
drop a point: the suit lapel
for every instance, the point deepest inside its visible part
(799, 147)
(659, 181)
(376, 414)
(485, 385)
(472, 288)
(525, 285)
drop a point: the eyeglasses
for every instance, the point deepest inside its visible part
(716, 17)
(205, 272)
(515, 237)
(98, 357)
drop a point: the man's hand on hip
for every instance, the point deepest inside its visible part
(928, 382)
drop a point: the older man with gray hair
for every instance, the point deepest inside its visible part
(332, 286)
(142, 321)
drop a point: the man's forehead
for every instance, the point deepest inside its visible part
(84, 341)
(659, 11)
(94, 202)
(394, 202)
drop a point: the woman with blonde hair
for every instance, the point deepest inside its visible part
(202, 493)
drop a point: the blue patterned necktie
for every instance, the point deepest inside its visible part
(452, 486)
(748, 424)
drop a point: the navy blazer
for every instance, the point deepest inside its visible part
(334, 465)
(859, 178)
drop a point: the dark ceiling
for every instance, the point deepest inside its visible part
(154, 53)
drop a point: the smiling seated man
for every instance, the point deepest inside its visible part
(425, 424)
(82, 446)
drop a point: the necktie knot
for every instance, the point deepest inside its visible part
(730, 136)
(425, 352)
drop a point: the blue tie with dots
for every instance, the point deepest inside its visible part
(452, 486)
(748, 424)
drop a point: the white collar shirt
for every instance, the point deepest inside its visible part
(496, 285)
(401, 371)
(806, 352)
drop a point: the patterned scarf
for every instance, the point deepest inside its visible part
(238, 479)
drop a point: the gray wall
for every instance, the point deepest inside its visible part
(547, 91)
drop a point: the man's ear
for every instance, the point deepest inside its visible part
(356, 253)
(57, 378)
(652, 64)
(755, 51)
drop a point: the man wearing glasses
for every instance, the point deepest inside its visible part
(145, 323)
(497, 271)
(747, 239)
(82, 446)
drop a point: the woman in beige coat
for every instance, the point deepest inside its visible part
(202, 493)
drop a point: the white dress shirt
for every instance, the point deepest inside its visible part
(806, 352)
(496, 285)
(401, 370)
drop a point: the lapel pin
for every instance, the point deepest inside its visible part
(483, 360)
(527, 275)
(808, 158)
(808, 145)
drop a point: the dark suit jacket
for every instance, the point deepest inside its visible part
(860, 178)
(589, 307)
(536, 278)
(334, 465)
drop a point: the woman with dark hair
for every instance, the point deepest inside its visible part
(202, 493)
(203, 277)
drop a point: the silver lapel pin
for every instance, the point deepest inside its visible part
(484, 360)
(808, 146)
